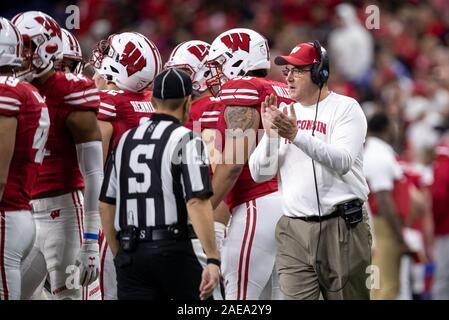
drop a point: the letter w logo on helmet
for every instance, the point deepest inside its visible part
(132, 59)
(200, 51)
(236, 41)
(50, 25)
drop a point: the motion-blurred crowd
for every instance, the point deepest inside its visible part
(392, 56)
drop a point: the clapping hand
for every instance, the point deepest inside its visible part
(268, 109)
(276, 122)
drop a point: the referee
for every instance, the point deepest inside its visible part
(157, 182)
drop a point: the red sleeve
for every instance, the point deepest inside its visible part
(107, 111)
(80, 93)
(241, 92)
(440, 187)
(10, 100)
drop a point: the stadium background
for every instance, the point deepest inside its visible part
(401, 67)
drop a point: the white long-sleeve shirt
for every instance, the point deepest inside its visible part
(337, 149)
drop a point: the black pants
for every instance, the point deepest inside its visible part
(160, 270)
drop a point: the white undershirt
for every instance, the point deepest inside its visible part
(380, 165)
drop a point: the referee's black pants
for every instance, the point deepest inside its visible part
(160, 270)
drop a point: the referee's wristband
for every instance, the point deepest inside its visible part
(213, 261)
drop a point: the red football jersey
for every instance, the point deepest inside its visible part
(124, 110)
(206, 113)
(440, 190)
(21, 100)
(64, 93)
(251, 92)
(205, 118)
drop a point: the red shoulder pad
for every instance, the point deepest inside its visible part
(109, 99)
(241, 91)
(11, 96)
(79, 92)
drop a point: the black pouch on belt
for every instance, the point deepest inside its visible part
(128, 238)
(352, 212)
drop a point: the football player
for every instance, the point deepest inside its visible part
(125, 65)
(72, 62)
(24, 126)
(67, 220)
(72, 56)
(191, 56)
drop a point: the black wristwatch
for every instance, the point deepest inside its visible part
(213, 261)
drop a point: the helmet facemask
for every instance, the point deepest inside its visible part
(217, 77)
(103, 50)
(27, 71)
(191, 56)
(128, 59)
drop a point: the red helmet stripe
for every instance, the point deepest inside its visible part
(176, 49)
(19, 41)
(16, 17)
(156, 55)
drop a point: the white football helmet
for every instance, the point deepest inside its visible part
(128, 59)
(72, 57)
(191, 57)
(11, 44)
(235, 52)
(42, 36)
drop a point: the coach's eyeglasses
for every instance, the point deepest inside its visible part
(296, 72)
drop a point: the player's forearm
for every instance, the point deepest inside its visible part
(2, 189)
(200, 213)
(3, 180)
(224, 178)
(263, 162)
(107, 214)
(222, 214)
(106, 134)
(83, 126)
(90, 159)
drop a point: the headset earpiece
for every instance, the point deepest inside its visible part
(320, 69)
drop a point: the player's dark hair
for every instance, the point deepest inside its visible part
(378, 123)
(259, 73)
(6, 70)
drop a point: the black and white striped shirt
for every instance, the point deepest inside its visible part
(154, 170)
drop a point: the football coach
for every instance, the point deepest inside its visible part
(315, 147)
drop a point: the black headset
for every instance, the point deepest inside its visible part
(320, 69)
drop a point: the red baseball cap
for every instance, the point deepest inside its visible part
(302, 55)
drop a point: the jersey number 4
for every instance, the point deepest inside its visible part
(41, 135)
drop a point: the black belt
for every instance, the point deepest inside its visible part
(334, 214)
(339, 211)
(168, 232)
